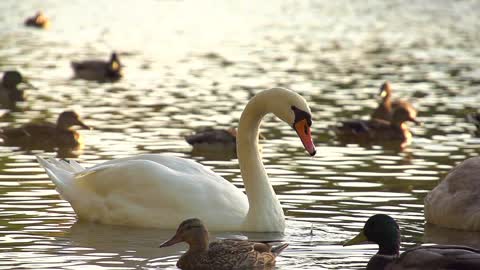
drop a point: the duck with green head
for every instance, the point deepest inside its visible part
(220, 255)
(384, 231)
(99, 70)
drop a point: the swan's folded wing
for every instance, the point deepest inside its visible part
(156, 195)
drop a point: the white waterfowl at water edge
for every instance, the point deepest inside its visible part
(160, 190)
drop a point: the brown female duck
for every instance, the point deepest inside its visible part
(385, 109)
(220, 255)
(380, 130)
(99, 70)
(46, 135)
(383, 230)
(39, 21)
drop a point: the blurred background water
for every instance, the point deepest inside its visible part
(190, 64)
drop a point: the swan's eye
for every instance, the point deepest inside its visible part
(301, 115)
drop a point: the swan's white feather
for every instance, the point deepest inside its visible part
(149, 191)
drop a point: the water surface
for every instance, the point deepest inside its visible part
(191, 64)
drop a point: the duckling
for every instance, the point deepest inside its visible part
(385, 109)
(99, 70)
(380, 130)
(39, 21)
(9, 93)
(220, 255)
(46, 135)
(383, 230)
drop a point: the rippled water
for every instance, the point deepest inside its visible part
(190, 64)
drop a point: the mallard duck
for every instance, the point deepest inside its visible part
(455, 202)
(9, 93)
(383, 230)
(377, 130)
(220, 255)
(150, 190)
(39, 21)
(46, 135)
(385, 109)
(99, 70)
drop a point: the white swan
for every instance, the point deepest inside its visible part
(455, 202)
(157, 190)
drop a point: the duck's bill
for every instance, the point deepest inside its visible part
(29, 84)
(83, 125)
(383, 93)
(303, 131)
(359, 239)
(174, 240)
(418, 123)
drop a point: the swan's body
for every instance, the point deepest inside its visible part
(161, 190)
(455, 202)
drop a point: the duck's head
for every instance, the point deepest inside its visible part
(292, 108)
(114, 65)
(192, 231)
(404, 112)
(68, 119)
(42, 20)
(385, 90)
(11, 79)
(380, 229)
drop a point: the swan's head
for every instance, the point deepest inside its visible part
(293, 110)
(192, 231)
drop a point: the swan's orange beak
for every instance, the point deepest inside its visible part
(174, 240)
(303, 131)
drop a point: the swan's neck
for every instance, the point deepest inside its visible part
(265, 212)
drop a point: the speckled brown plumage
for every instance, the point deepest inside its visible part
(223, 254)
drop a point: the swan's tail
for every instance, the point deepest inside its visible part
(61, 172)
